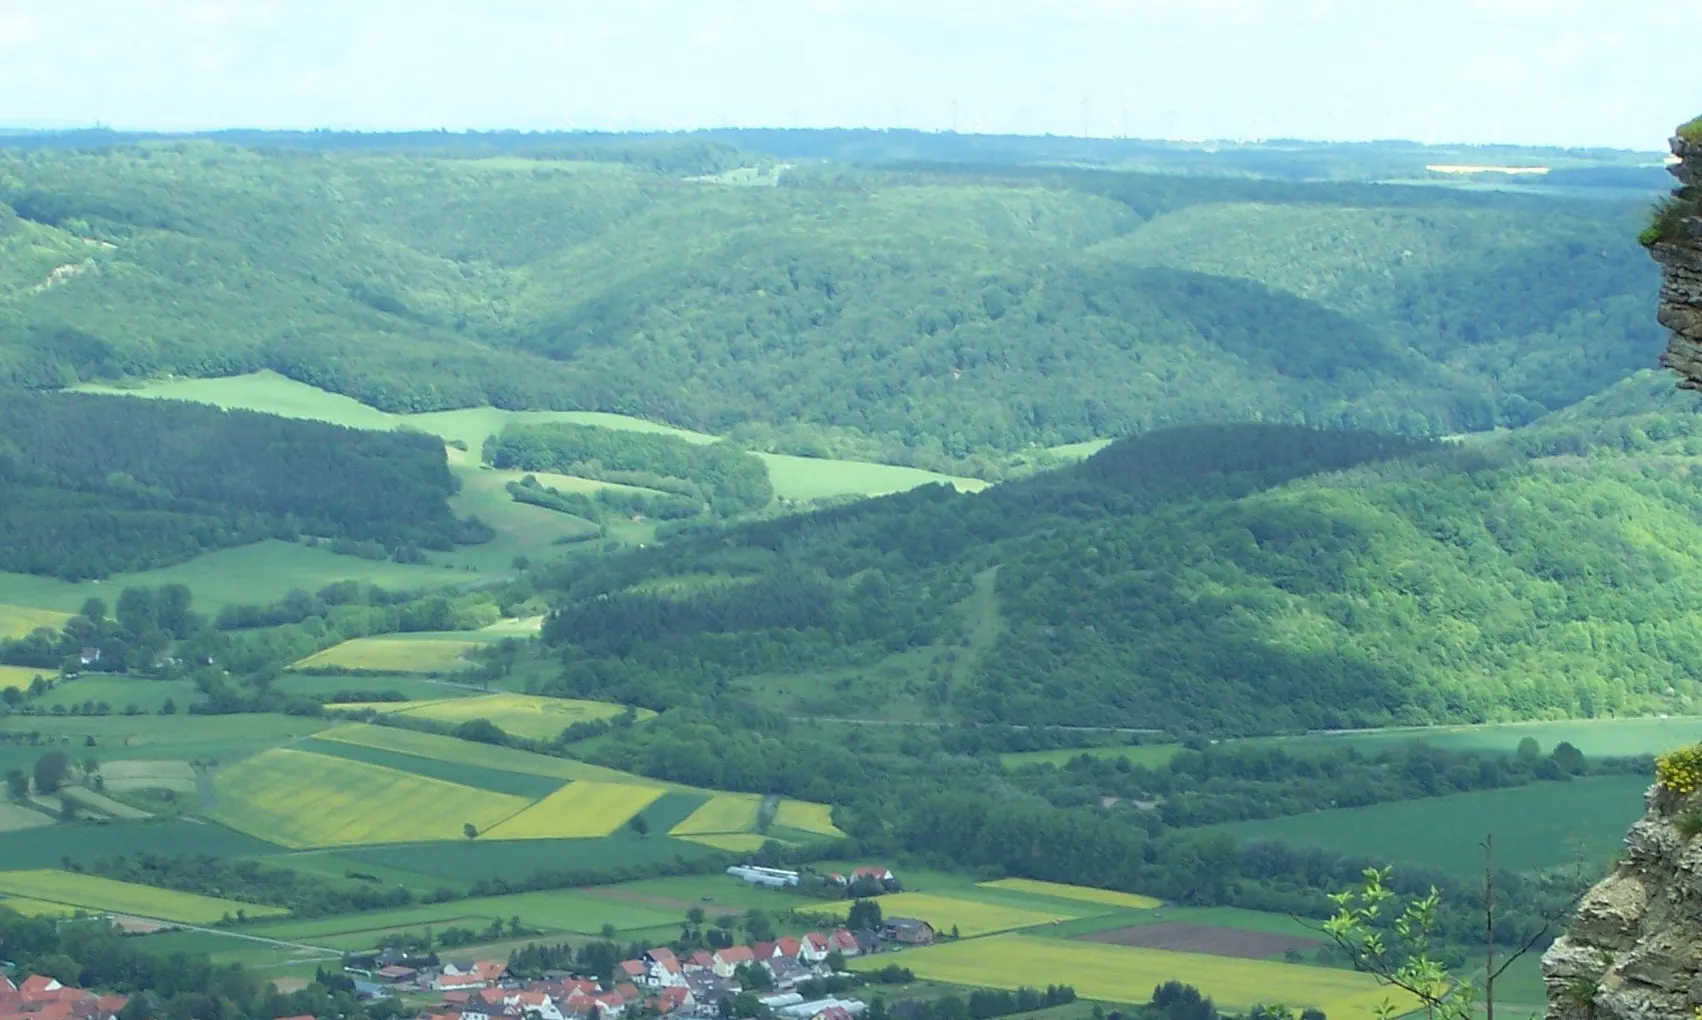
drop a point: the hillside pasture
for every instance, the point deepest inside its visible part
(809, 478)
(722, 813)
(393, 655)
(969, 917)
(331, 685)
(1118, 974)
(83, 842)
(1149, 755)
(1542, 825)
(523, 715)
(183, 737)
(16, 816)
(300, 799)
(118, 693)
(139, 774)
(22, 676)
(91, 893)
(1594, 737)
(579, 810)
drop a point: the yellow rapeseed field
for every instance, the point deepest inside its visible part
(946, 912)
(299, 799)
(17, 621)
(807, 817)
(732, 842)
(1076, 892)
(724, 812)
(37, 891)
(394, 655)
(1128, 975)
(579, 810)
(21, 676)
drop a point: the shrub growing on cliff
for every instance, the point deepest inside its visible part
(1680, 771)
(1691, 131)
(1666, 219)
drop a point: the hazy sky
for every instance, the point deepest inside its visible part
(1575, 72)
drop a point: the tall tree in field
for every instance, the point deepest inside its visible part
(51, 770)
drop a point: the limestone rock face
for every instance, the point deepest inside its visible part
(1680, 256)
(1634, 952)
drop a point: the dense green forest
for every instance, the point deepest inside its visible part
(91, 485)
(722, 477)
(946, 315)
(1232, 579)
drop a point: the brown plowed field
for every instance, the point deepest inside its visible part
(1184, 937)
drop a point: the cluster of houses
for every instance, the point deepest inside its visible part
(659, 982)
(42, 998)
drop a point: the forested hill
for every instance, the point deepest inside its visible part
(932, 316)
(91, 486)
(1239, 579)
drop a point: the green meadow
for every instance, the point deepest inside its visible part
(1538, 826)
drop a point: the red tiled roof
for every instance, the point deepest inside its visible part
(460, 998)
(37, 985)
(789, 946)
(844, 939)
(765, 950)
(736, 955)
(627, 990)
(633, 967)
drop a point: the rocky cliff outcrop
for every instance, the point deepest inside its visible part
(1634, 952)
(1675, 240)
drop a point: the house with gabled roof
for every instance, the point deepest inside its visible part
(729, 959)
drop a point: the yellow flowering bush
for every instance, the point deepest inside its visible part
(1680, 771)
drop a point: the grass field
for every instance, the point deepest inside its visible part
(459, 864)
(722, 813)
(1595, 737)
(969, 917)
(1104, 897)
(17, 621)
(807, 478)
(393, 655)
(1120, 974)
(90, 893)
(523, 715)
(579, 810)
(1537, 826)
(413, 688)
(123, 775)
(83, 842)
(181, 737)
(807, 817)
(15, 816)
(299, 799)
(1150, 755)
(520, 784)
(260, 573)
(117, 693)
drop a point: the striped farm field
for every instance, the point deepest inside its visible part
(299, 799)
(1121, 974)
(1085, 894)
(579, 810)
(523, 715)
(393, 655)
(807, 817)
(18, 621)
(724, 812)
(90, 893)
(947, 912)
(457, 752)
(732, 842)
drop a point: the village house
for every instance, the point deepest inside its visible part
(815, 948)
(662, 969)
(43, 998)
(909, 931)
(844, 943)
(729, 959)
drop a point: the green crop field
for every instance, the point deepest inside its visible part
(17, 621)
(316, 685)
(459, 864)
(732, 842)
(968, 916)
(15, 816)
(300, 799)
(189, 738)
(88, 892)
(1595, 737)
(464, 752)
(1537, 826)
(22, 676)
(1120, 974)
(1150, 755)
(520, 784)
(83, 842)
